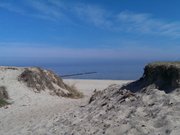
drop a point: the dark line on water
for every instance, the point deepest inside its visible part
(78, 74)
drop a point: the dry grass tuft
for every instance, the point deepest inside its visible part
(3, 93)
(39, 80)
(3, 96)
(74, 93)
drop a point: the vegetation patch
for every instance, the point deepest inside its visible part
(3, 102)
(158, 75)
(74, 93)
(3, 96)
(40, 80)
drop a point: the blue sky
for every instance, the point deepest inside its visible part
(89, 29)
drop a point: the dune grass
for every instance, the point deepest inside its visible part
(3, 102)
(165, 63)
(74, 93)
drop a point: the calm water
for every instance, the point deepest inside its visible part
(109, 70)
(106, 69)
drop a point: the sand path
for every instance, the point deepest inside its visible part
(32, 110)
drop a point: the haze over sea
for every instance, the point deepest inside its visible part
(106, 69)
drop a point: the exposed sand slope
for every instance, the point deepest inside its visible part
(113, 111)
(148, 106)
(33, 113)
(28, 108)
(120, 112)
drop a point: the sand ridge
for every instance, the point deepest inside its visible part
(34, 113)
(113, 109)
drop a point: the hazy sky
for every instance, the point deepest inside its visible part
(100, 29)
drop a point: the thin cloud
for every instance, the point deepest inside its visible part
(93, 14)
(125, 21)
(12, 8)
(145, 23)
(46, 9)
(49, 10)
(24, 50)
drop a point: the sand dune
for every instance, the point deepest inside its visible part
(148, 106)
(33, 113)
(120, 112)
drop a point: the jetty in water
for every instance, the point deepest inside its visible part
(78, 74)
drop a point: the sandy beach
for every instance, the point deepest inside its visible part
(30, 110)
(41, 103)
(87, 86)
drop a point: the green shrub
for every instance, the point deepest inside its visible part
(3, 102)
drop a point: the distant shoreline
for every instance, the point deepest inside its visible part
(80, 79)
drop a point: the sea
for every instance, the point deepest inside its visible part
(105, 69)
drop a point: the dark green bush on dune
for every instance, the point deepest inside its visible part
(3, 96)
(3, 102)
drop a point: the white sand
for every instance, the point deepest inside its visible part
(33, 113)
(112, 113)
(117, 111)
(88, 86)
